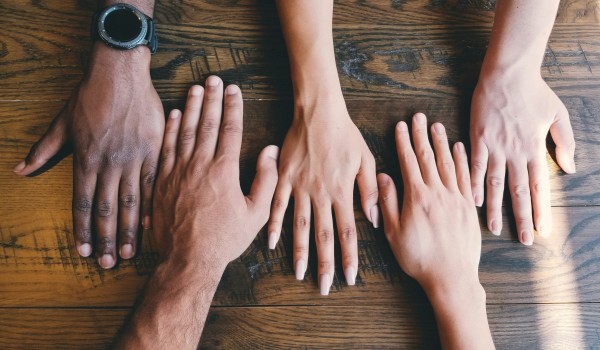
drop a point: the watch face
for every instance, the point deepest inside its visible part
(123, 25)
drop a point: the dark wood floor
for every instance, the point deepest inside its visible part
(395, 57)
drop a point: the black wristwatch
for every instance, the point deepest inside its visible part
(122, 26)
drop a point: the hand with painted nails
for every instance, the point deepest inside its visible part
(113, 122)
(320, 160)
(436, 236)
(323, 153)
(201, 220)
(511, 113)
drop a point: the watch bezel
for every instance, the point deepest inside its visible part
(140, 39)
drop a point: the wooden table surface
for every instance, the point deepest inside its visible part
(395, 57)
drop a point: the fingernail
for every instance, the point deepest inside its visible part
(573, 167)
(350, 275)
(232, 90)
(126, 251)
(460, 147)
(146, 222)
(402, 126)
(106, 261)
(420, 118)
(300, 269)
(85, 250)
(20, 167)
(495, 227)
(196, 90)
(375, 215)
(213, 80)
(273, 152)
(477, 200)
(439, 129)
(324, 283)
(273, 237)
(175, 114)
(527, 238)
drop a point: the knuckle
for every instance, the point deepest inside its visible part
(129, 201)
(325, 265)
(105, 208)
(82, 205)
(324, 235)
(447, 164)
(149, 176)
(425, 154)
(84, 235)
(478, 166)
(279, 204)
(348, 233)
(128, 235)
(495, 181)
(187, 135)
(520, 191)
(209, 126)
(106, 243)
(301, 222)
(537, 186)
(301, 250)
(231, 128)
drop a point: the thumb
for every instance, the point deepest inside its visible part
(43, 150)
(367, 186)
(562, 134)
(263, 187)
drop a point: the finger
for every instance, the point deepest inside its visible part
(105, 217)
(280, 203)
(344, 214)
(539, 185)
(301, 234)
(169, 146)
(147, 180)
(263, 187)
(210, 122)
(325, 245)
(443, 157)
(129, 211)
(48, 146)
(84, 185)
(495, 190)
(562, 134)
(479, 164)
(518, 182)
(409, 167)
(423, 149)
(388, 200)
(461, 164)
(367, 186)
(189, 123)
(230, 135)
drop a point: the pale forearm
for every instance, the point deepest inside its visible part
(307, 28)
(462, 317)
(520, 34)
(173, 310)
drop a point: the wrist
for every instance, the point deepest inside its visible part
(456, 296)
(189, 272)
(108, 60)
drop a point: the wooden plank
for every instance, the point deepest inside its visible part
(22, 123)
(41, 62)
(40, 267)
(543, 326)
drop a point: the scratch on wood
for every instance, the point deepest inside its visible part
(585, 57)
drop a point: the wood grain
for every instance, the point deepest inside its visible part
(570, 326)
(394, 58)
(387, 60)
